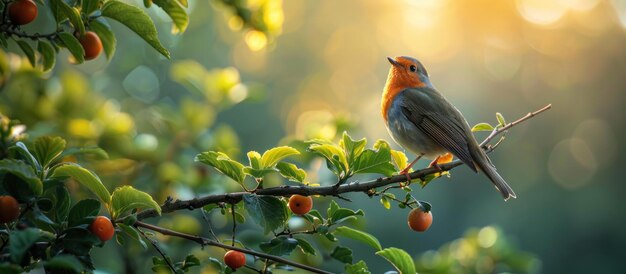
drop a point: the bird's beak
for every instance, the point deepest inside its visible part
(393, 62)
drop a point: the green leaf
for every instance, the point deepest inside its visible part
(279, 246)
(351, 147)
(48, 55)
(267, 211)
(342, 254)
(190, 261)
(385, 202)
(81, 211)
(28, 51)
(223, 164)
(136, 20)
(73, 45)
(500, 118)
(291, 172)
(335, 157)
(399, 259)
(358, 235)
(23, 172)
(343, 214)
(305, 246)
(85, 178)
(482, 127)
(23, 151)
(133, 234)
(358, 268)
(20, 241)
(72, 14)
(62, 203)
(255, 159)
(176, 12)
(107, 37)
(125, 198)
(375, 161)
(184, 3)
(258, 173)
(272, 156)
(64, 264)
(332, 207)
(399, 159)
(46, 149)
(7, 268)
(77, 240)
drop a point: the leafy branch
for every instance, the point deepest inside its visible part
(332, 190)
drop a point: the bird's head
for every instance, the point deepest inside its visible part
(407, 72)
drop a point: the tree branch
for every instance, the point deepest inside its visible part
(331, 190)
(205, 241)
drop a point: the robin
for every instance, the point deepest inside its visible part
(421, 120)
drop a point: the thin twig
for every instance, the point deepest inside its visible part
(158, 249)
(332, 190)
(205, 241)
(234, 224)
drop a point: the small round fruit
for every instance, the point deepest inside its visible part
(234, 259)
(420, 220)
(92, 45)
(9, 209)
(103, 228)
(300, 204)
(22, 12)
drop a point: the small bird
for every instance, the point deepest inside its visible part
(421, 120)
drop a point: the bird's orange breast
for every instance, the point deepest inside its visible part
(396, 83)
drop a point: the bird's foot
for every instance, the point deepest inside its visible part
(406, 170)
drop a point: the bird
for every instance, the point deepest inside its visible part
(420, 119)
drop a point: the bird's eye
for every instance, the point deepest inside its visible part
(413, 68)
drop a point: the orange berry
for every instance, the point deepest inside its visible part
(234, 259)
(420, 220)
(103, 228)
(92, 45)
(22, 12)
(9, 209)
(300, 204)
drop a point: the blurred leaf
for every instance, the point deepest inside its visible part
(7, 268)
(125, 198)
(190, 261)
(73, 45)
(291, 172)
(48, 55)
(375, 161)
(46, 149)
(385, 202)
(267, 211)
(20, 241)
(305, 246)
(184, 3)
(86, 178)
(81, 211)
(96, 151)
(76, 240)
(351, 147)
(176, 12)
(107, 37)
(358, 268)
(28, 51)
(279, 246)
(63, 264)
(223, 164)
(482, 127)
(500, 118)
(358, 235)
(401, 260)
(136, 20)
(72, 14)
(133, 234)
(342, 254)
(23, 172)
(271, 157)
(90, 6)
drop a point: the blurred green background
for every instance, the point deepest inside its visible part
(320, 69)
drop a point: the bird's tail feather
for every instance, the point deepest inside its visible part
(497, 180)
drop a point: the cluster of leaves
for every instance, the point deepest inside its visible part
(74, 18)
(51, 232)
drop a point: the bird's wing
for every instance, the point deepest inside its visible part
(429, 116)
